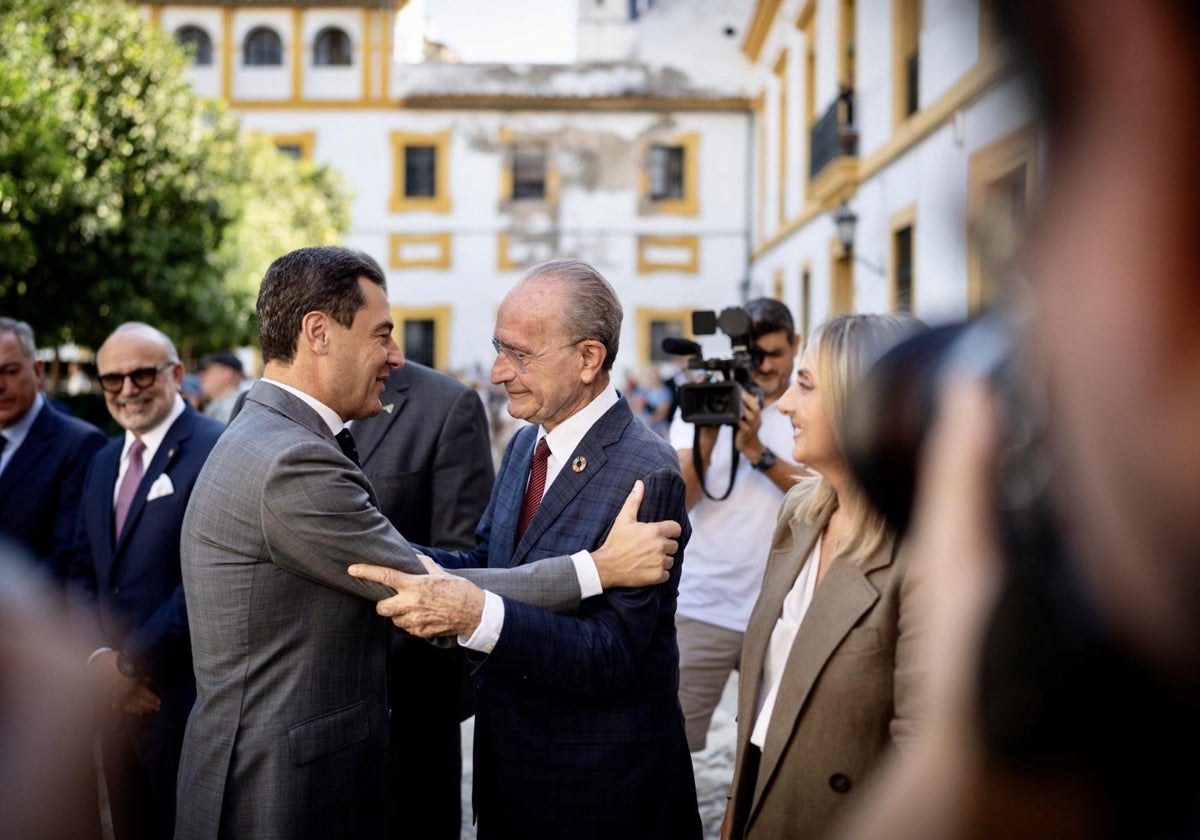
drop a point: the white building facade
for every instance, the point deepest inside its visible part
(695, 156)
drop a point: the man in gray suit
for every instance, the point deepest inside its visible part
(288, 737)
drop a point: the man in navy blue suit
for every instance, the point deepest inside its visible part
(129, 596)
(43, 455)
(578, 730)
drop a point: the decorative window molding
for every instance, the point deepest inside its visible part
(419, 250)
(668, 253)
(420, 172)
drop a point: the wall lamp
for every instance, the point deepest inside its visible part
(846, 221)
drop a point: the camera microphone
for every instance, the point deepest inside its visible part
(680, 346)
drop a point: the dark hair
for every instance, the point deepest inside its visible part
(768, 315)
(310, 280)
(590, 308)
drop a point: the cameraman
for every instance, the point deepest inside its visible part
(730, 538)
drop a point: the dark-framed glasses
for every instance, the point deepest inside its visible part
(141, 378)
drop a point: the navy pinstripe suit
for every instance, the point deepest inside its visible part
(578, 728)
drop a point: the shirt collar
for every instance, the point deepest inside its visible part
(16, 432)
(567, 434)
(154, 438)
(327, 414)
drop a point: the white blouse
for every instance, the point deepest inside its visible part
(795, 606)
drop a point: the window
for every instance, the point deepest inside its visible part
(420, 171)
(805, 296)
(841, 280)
(298, 145)
(195, 40)
(902, 268)
(666, 172)
(419, 341)
(420, 179)
(906, 57)
(669, 181)
(423, 333)
(263, 48)
(529, 170)
(658, 331)
(332, 48)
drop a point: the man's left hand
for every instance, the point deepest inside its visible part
(434, 604)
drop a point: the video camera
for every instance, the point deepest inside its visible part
(717, 399)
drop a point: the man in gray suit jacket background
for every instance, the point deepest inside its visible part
(288, 737)
(428, 455)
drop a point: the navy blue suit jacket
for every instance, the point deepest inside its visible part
(41, 486)
(128, 593)
(578, 728)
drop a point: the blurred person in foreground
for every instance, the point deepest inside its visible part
(1108, 636)
(731, 537)
(47, 710)
(828, 681)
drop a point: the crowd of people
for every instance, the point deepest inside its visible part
(272, 624)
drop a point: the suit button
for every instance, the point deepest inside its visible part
(116, 590)
(840, 783)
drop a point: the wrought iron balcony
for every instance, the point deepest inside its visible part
(832, 136)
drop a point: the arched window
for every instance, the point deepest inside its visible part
(332, 47)
(196, 41)
(263, 48)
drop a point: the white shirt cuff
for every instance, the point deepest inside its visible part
(588, 574)
(488, 632)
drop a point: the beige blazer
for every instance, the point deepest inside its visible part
(848, 685)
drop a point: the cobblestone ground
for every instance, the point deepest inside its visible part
(713, 766)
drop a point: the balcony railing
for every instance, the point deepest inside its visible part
(834, 135)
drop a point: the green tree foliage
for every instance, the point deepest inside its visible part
(125, 196)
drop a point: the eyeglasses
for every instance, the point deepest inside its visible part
(141, 378)
(519, 360)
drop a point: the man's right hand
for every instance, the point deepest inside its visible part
(636, 553)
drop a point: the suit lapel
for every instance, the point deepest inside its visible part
(569, 482)
(367, 436)
(168, 452)
(843, 597)
(25, 459)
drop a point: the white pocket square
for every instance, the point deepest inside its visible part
(162, 486)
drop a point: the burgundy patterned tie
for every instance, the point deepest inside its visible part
(537, 486)
(129, 483)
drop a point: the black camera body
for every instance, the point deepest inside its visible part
(717, 399)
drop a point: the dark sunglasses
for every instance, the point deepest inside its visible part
(141, 378)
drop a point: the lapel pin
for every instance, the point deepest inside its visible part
(388, 408)
(579, 464)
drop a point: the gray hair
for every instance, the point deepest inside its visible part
(591, 309)
(24, 334)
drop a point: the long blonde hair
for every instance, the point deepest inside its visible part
(845, 346)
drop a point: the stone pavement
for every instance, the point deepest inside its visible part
(713, 766)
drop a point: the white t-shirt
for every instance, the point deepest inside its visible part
(725, 558)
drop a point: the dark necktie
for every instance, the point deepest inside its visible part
(129, 484)
(346, 441)
(536, 487)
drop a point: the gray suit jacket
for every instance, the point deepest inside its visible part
(289, 733)
(849, 686)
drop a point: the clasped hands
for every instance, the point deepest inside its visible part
(440, 604)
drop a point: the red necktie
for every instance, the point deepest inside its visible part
(129, 483)
(537, 486)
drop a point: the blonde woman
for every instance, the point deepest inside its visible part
(825, 682)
